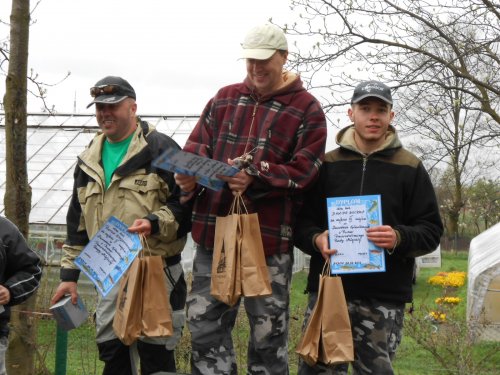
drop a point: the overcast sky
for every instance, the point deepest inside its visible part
(176, 54)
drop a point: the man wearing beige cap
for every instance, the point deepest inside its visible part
(274, 131)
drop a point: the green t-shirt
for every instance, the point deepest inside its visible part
(112, 156)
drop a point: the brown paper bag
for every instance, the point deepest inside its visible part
(308, 347)
(336, 334)
(156, 310)
(127, 321)
(254, 272)
(225, 284)
(328, 336)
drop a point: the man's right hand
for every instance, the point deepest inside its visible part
(321, 242)
(186, 183)
(64, 288)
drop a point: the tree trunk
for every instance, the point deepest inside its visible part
(17, 199)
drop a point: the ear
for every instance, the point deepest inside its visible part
(133, 109)
(284, 56)
(350, 114)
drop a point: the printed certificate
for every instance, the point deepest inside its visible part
(109, 254)
(348, 219)
(205, 169)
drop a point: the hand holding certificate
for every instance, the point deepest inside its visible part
(348, 219)
(205, 169)
(109, 254)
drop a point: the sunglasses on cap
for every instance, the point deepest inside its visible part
(104, 90)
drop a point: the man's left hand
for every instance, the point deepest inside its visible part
(383, 236)
(238, 183)
(141, 226)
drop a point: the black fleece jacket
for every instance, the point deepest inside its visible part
(409, 205)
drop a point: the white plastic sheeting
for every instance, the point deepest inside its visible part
(483, 289)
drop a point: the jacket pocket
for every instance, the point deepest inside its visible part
(90, 198)
(142, 194)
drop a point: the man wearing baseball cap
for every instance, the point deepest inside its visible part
(371, 160)
(275, 132)
(114, 177)
(111, 90)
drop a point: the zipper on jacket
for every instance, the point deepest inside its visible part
(365, 160)
(251, 128)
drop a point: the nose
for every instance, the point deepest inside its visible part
(374, 115)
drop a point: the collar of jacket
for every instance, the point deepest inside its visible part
(283, 95)
(137, 154)
(345, 139)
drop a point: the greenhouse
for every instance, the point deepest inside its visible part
(483, 292)
(53, 143)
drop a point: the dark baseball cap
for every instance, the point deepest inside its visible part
(369, 89)
(111, 90)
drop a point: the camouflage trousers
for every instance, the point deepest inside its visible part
(211, 322)
(376, 332)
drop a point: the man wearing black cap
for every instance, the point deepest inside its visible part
(370, 160)
(114, 177)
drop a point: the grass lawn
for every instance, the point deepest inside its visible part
(411, 359)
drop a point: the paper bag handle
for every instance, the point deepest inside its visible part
(145, 245)
(237, 205)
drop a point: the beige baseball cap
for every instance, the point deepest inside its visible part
(263, 41)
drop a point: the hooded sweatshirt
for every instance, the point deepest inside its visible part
(409, 205)
(285, 132)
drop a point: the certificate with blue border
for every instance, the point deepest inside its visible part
(205, 169)
(109, 254)
(348, 219)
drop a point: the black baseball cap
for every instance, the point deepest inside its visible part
(369, 89)
(111, 90)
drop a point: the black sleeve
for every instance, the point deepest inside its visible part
(312, 217)
(23, 269)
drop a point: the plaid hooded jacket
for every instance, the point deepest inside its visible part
(285, 132)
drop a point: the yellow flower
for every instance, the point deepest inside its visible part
(448, 279)
(448, 300)
(438, 316)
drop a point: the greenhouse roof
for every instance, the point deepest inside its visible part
(54, 141)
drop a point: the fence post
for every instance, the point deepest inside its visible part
(61, 351)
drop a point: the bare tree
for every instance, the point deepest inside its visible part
(446, 130)
(17, 199)
(36, 87)
(382, 35)
(442, 58)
